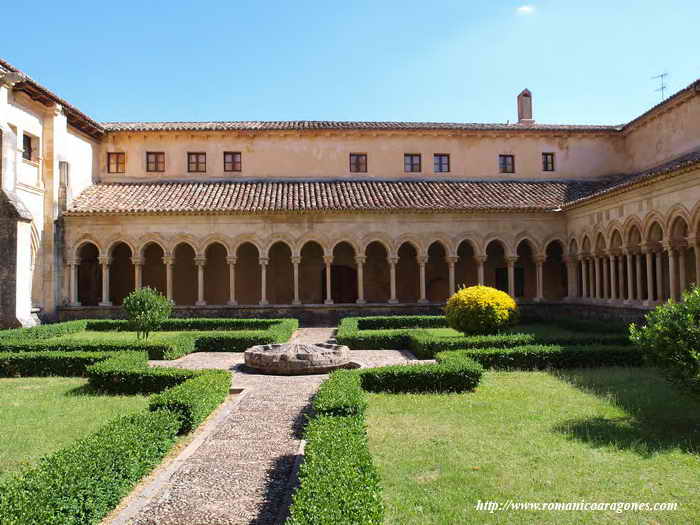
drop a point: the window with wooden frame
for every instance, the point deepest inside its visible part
(155, 161)
(116, 162)
(411, 162)
(358, 162)
(548, 162)
(196, 162)
(441, 163)
(232, 161)
(28, 151)
(506, 163)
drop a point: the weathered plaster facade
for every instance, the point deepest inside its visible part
(629, 242)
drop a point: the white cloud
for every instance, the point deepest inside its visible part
(526, 9)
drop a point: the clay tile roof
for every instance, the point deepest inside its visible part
(258, 196)
(329, 125)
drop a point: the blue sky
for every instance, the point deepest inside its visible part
(461, 61)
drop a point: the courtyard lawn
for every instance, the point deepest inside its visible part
(598, 435)
(39, 415)
(122, 337)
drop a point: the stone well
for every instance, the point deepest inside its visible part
(298, 358)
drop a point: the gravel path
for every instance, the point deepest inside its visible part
(242, 472)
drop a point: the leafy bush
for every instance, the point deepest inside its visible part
(67, 364)
(670, 338)
(80, 484)
(458, 374)
(537, 357)
(480, 310)
(341, 395)
(339, 482)
(194, 399)
(146, 309)
(44, 331)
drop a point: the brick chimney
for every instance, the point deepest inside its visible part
(525, 107)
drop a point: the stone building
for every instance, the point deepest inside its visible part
(314, 218)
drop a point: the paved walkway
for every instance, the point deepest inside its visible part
(242, 471)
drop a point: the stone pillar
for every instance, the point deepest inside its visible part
(480, 261)
(659, 277)
(73, 265)
(630, 277)
(168, 261)
(138, 272)
(613, 278)
(510, 261)
(638, 276)
(263, 280)
(328, 260)
(422, 259)
(620, 277)
(392, 279)
(200, 263)
(231, 260)
(360, 262)
(296, 260)
(672, 273)
(451, 260)
(696, 249)
(682, 278)
(104, 263)
(584, 277)
(604, 288)
(650, 276)
(598, 277)
(539, 261)
(571, 280)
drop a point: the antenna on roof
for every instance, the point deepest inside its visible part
(662, 84)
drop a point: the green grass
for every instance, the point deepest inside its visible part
(126, 337)
(40, 415)
(599, 435)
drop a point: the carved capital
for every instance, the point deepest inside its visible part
(263, 261)
(511, 259)
(451, 259)
(392, 260)
(360, 259)
(328, 259)
(540, 259)
(481, 259)
(137, 261)
(200, 261)
(231, 259)
(73, 261)
(296, 259)
(422, 259)
(168, 260)
(104, 260)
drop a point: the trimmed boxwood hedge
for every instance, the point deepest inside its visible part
(537, 357)
(81, 483)
(44, 331)
(341, 395)
(194, 399)
(195, 324)
(338, 480)
(450, 375)
(22, 364)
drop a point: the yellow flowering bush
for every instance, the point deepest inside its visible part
(480, 310)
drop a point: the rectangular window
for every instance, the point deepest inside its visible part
(232, 161)
(411, 162)
(441, 163)
(155, 161)
(548, 162)
(358, 162)
(506, 163)
(116, 162)
(196, 162)
(27, 147)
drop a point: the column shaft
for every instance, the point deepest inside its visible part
(360, 262)
(295, 263)
(682, 277)
(231, 280)
(659, 278)
(650, 277)
(105, 285)
(630, 278)
(392, 279)
(74, 284)
(540, 279)
(613, 277)
(421, 277)
(673, 289)
(638, 276)
(329, 297)
(263, 281)
(200, 282)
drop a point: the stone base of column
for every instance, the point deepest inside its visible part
(538, 299)
(75, 304)
(263, 303)
(296, 302)
(232, 303)
(108, 303)
(393, 301)
(423, 301)
(328, 301)
(360, 301)
(200, 303)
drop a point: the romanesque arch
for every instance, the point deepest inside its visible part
(121, 269)
(248, 274)
(89, 274)
(437, 279)
(407, 272)
(216, 273)
(280, 274)
(344, 280)
(376, 272)
(311, 272)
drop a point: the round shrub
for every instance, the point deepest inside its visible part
(480, 310)
(670, 339)
(146, 309)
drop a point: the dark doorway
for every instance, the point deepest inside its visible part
(343, 284)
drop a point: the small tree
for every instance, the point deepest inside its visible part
(147, 308)
(480, 310)
(671, 339)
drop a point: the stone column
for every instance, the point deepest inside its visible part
(231, 260)
(510, 261)
(598, 263)
(659, 277)
(296, 260)
(392, 279)
(422, 259)
(200, 263)
(168, 260)
(672, 272)
(630, 277)
(360, 262)
(539, 261)
(696, 248)
(613, 278)
(604, 288)
(571, 277)
(104, 263)
(638, 276)
(451, 260)
(263, 280)
(584, 277)
(650, 276)
(138, 272)
(328, 260)
(682, 278)
(480, 261)
(73, 266)
(620, 277)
